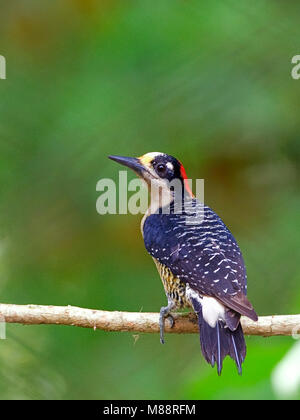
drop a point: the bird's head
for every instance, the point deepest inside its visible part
(157, 169)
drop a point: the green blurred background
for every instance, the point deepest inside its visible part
(209, 82)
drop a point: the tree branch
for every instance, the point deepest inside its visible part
(139, 322)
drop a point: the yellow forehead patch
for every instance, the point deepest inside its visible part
(148, 158)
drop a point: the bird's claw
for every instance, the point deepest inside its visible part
(170, 318)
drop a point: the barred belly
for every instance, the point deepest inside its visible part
(175, 289)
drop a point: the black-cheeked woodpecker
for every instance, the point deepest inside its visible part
(200, 264)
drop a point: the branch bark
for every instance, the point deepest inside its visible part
(138, 322)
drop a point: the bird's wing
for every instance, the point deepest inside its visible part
(205, 255)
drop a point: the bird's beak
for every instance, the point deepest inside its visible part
(130, 162)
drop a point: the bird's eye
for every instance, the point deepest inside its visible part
(161, 168)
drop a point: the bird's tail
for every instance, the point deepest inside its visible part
(221, 341)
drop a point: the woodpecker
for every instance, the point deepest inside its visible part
(200, 264)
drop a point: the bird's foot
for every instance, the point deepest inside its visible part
(165, 314)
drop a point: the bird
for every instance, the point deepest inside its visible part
(199, 261)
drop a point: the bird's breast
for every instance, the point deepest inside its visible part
(175, 289)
